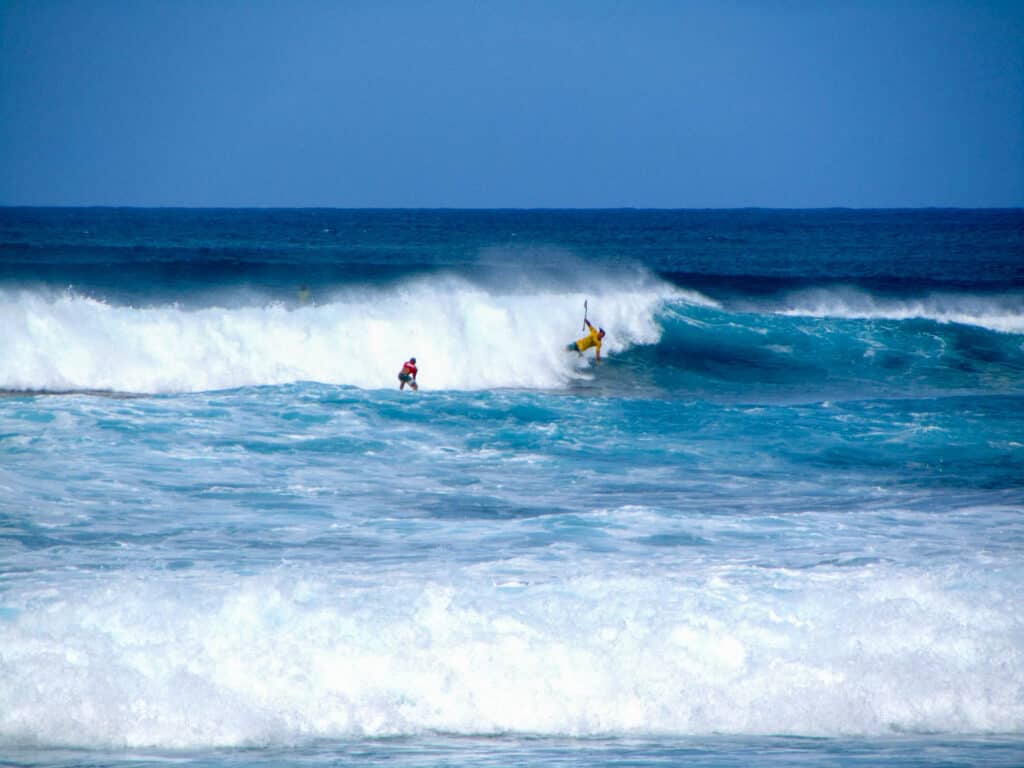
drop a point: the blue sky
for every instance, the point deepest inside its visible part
(512, 104)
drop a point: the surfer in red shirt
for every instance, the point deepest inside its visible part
(408, 374)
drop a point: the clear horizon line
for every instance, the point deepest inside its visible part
(102, 206)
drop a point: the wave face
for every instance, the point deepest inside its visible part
(664, 338)
(843, 344)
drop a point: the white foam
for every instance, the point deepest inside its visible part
(217, 660)
(464, 336)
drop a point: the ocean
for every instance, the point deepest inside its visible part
(780, 524)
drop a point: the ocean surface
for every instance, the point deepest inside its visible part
(781, 524)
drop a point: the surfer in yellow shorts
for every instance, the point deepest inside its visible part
(593, 339)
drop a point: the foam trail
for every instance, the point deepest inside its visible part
(465, 336)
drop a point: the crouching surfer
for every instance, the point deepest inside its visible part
(593, 339)
(408, 374)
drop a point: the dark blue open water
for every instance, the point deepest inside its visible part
(781, 524)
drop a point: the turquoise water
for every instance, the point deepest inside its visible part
(780, 524)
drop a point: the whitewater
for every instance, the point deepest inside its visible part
(471, 336)
(470, 339)
(781, 523)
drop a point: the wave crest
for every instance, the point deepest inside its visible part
(465, 336)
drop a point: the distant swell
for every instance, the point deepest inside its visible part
(997, 312)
